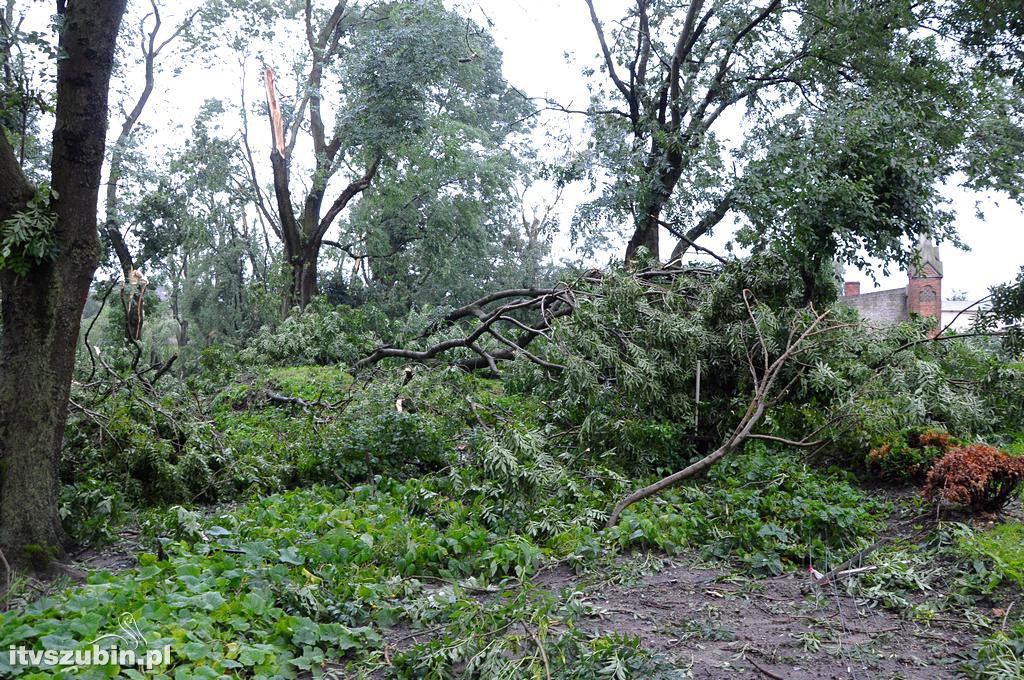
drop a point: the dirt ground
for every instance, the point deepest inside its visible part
(782, 627)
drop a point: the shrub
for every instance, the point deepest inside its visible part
(91, 510)
(321, 334)
(978, 477)
(388, 443)
(909, 454)
(153, 451)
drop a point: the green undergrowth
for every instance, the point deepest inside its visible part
(261, 434)
(357, 523)
(999, 656)
(1003, 547)
(328, 575)
(998, 552)
(765, 507)
(954, 572)
(284, 584)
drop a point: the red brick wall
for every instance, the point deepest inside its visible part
(924, 296)
(851, 288)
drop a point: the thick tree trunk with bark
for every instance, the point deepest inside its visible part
(667, 167)
(304, 284)
(645, 235)
(42, 311)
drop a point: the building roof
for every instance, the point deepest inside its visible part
(961, 305)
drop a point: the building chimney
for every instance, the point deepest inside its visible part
(851, 288)
(924, 288)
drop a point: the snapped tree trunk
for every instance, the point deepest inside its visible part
(302, 234)
(42, 310)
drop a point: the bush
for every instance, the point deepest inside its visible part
(91, 510)
(908, 455)
(388, 443)
(151, 450)
(321, 334)
(978, 477)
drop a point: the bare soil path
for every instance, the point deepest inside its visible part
(782, 627)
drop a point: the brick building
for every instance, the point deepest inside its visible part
(922, 295)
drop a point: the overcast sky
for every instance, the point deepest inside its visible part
(536, 36)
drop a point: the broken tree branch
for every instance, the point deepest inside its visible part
(763, 389)
(550, 303)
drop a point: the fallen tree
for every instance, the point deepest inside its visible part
(651, 369)
(765, 377)
(547, 303)
(527, 312)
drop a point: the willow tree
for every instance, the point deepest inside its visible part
(694, 96)
(403, 79)
(50, 249)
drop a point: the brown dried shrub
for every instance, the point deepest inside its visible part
(907, 455)
(978, 477)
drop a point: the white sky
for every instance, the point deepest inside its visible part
(535, 36)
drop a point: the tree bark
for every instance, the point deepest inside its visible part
(42, 310)
(302, 234)
(305, 283)
(645, 235)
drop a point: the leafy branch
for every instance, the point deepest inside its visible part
(765, 374)
(27, 238)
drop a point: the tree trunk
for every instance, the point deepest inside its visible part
(42, 311)
(644, 235)
(304, 284)
(309, 285)
(669, 167)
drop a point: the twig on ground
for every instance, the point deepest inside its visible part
(770, 674)
(540, 648)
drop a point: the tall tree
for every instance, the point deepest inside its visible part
(45, 279)
(24, 91)
(151, 44)
(216, 256)
(440, 221)
(401, 77)
(678, 74)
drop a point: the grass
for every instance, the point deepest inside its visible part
(1003, 545)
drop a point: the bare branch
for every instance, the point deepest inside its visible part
(608, 60)
(763, 389)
